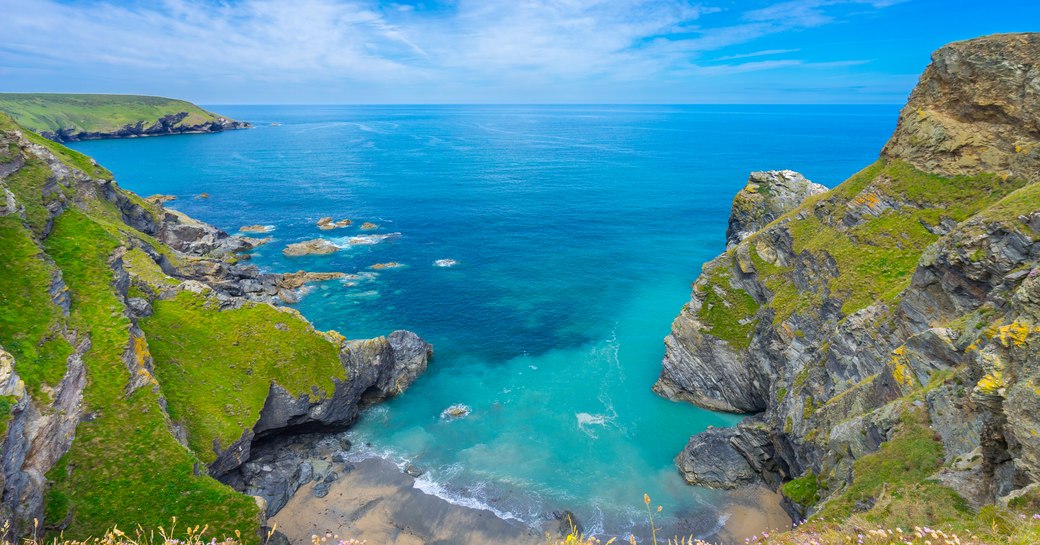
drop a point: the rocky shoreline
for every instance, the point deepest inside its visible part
(905, 298)
(164, 126)
(159, 257)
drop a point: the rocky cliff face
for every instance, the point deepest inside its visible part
(906, 296)
(165, 125)
(140, 358)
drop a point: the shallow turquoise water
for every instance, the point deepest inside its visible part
(577, 231)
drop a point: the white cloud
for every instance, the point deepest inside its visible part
(359, 46)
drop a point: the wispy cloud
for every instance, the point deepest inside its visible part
(363, 49)
(763, 53)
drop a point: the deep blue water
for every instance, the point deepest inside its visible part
(577, 231)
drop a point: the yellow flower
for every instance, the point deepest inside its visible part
(646, 499)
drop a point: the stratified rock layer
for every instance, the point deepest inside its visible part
(913, 286)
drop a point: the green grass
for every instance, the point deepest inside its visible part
(896, 479)
(6, 403)
(125, 467)
(29, 320)
(876, 258)
(94, 113)
(216, 367)
(804, 490)
(727, 311)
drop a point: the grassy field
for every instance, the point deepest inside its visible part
(95, 113)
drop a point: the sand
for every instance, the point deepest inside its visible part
(377, 503)
(752, 511)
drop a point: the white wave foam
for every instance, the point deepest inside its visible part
(445, 263)
(267, 229)
(362, 240)
(427, 485)
(457, 410)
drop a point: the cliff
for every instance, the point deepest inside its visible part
(72, 117)
(140, 359)
(884, 335)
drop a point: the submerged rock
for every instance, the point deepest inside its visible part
(456, 411)
(387, 265)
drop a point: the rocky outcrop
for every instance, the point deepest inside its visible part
(913, 286)
(974, 110)
(767, 196)
(317, 246)
(165, 125)
(377, 369)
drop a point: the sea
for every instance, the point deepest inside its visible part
(544, 252)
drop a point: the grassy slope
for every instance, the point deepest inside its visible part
(125, 467)
(216, 367)
(94, 113)
(875, 259)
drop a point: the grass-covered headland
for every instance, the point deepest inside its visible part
(68, 117)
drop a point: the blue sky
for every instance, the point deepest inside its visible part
(490, 51)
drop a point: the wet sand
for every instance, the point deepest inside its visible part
(751, 512)
(377, 503)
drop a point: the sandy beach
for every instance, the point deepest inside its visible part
(376, 502)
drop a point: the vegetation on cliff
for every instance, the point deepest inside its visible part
(131, 359)
(889, 345)
(65, 117)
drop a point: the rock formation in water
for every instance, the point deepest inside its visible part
(140, 359)
(895, 317)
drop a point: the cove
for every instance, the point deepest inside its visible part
(575, 232)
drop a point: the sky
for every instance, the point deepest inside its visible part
(490, 51)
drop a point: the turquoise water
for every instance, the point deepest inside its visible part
(576, 232)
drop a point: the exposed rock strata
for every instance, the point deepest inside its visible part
(767, 196)
(166, 125)
(833, 357)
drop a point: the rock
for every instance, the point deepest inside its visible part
(387, 265)
(767, 196)
(569, 523)
(413, 471)
(974, 110)
(368, 226)
(160, 199)
(317, 246)
(710, 459)
(456, 411)
(254, 242)
(256, 228)
(830, 374)
(326, 223)
(291, 281)
(274, 537)
(202, 196)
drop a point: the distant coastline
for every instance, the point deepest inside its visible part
(76, 117)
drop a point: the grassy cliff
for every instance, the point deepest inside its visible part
(123, 376)
(80, 116)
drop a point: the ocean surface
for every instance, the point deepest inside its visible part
(575, 232)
